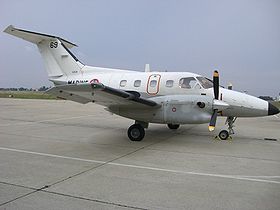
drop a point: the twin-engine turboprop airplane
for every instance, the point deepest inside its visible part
(171, 98)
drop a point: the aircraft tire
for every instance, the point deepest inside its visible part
(136, 132)
(223, 135)
(173, 126)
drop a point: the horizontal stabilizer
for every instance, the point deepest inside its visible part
(35, 37)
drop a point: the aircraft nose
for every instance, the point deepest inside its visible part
(272, 110)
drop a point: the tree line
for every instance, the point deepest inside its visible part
(42, 88)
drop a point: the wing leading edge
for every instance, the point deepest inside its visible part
(101, 94)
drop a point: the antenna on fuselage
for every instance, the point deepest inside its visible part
(229, 86)
(147, 67)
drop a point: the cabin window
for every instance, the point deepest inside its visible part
(137, 83)
(153, 83)
(169, 83)
(188, 82)
(123, 83)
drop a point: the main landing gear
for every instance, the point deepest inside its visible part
(136, 132)
(224, 134)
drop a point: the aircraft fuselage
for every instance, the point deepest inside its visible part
(179, 104)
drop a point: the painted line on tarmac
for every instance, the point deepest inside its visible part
(49, 120)
(51, 155)
(236, 177)
(264, 177)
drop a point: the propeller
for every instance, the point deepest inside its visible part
(213, 120)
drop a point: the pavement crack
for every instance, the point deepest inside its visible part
(94, 200)
(43, 189)
(22, 196)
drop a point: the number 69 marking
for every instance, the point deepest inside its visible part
(53, 44)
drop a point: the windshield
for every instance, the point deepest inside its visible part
(189, 83)
(205, 82)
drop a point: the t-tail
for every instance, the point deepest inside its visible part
(59, 61)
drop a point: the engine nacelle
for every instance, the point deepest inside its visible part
(184, 109)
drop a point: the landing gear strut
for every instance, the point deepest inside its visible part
(224, 134)
(229, 122)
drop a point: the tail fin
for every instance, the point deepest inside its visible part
(58, 59)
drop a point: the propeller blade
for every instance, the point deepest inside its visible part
(216, 84)
(213, 120)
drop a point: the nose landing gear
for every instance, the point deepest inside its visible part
(224, 134)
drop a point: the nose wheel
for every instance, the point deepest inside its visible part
(224, 134)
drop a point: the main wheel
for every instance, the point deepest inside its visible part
(224, 135)
(173, 126)
(136, 132)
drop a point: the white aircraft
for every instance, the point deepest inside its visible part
(171, 98)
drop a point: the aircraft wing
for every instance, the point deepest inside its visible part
(100, 94)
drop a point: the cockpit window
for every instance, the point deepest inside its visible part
(188, 82)
(205, 82)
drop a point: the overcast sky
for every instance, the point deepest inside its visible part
(240, 38)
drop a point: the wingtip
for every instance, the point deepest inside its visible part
(9, 28)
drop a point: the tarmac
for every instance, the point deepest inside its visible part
(57, 154)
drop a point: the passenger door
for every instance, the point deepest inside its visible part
(153, 84)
